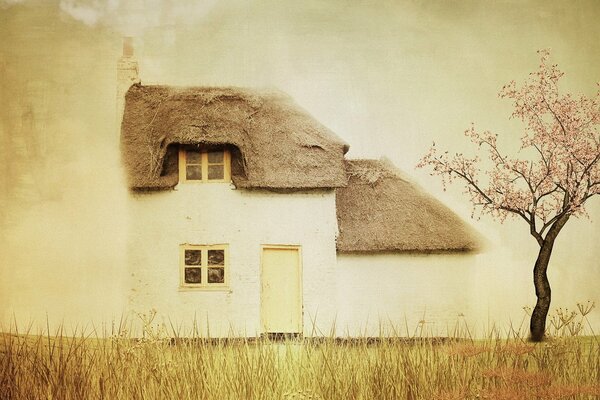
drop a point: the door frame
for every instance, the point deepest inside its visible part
(298, 248)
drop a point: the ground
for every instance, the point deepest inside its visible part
(85, 367)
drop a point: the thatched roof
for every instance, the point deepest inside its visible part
(274, 143)
(381, 211)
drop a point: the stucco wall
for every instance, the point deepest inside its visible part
(484, 292)
(359, 293)
(404, 294)
(219, 214)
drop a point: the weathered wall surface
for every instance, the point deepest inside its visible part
(483, 292)
(403, 294)
(245, 220)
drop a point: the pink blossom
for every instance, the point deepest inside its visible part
(560, 131)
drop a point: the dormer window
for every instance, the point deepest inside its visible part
(209, 164)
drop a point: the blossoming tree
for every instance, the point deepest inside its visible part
(558, 171)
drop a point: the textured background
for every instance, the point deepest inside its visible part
(388, 76)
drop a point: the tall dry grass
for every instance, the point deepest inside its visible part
(164, 366)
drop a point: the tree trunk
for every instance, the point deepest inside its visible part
(543, 292)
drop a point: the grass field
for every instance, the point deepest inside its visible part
(86, 367)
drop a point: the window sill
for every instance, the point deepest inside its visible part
(205, 289)
(197, 182)
(181, 184)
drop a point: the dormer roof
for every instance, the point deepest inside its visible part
(278, 144)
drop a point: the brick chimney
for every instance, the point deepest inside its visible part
(127, 75)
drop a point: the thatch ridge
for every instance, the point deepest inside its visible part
(382, 211)
(276, 144)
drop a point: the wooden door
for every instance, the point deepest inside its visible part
(281, 289)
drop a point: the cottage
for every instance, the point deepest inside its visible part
(403, 258)
(246, 218)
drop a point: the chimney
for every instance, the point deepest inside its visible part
(127, 75)
(128, 46)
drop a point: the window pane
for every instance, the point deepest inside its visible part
(216, 275)
(192, 157)
(193, 172)
(216, 257)
(193, 257)
(216, 172)
(193, 275)
(215, 157)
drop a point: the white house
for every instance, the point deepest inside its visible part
(246, 219)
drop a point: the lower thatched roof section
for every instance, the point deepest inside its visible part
(275, 144)
(381, 211)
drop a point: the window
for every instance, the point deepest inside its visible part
(212, 164)
(203, 266)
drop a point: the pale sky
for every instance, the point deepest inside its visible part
(389, 77)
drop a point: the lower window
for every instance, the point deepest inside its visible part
(203, 266)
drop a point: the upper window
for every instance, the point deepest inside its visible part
(204, 164)
(204, 266)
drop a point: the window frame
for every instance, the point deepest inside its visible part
(204, 284)
(204, 164)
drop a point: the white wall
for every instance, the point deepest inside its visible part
(356, 292)
(217, 214)
(394, 292)
(483, 292)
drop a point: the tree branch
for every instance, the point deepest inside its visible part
(535, 234)
(562, 127)
(552, 221)
(525, 178)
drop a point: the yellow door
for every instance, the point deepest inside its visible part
(281, 296)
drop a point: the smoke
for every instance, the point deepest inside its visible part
(88, 12)
(133, 17)
(129, 17)
(9, 3)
